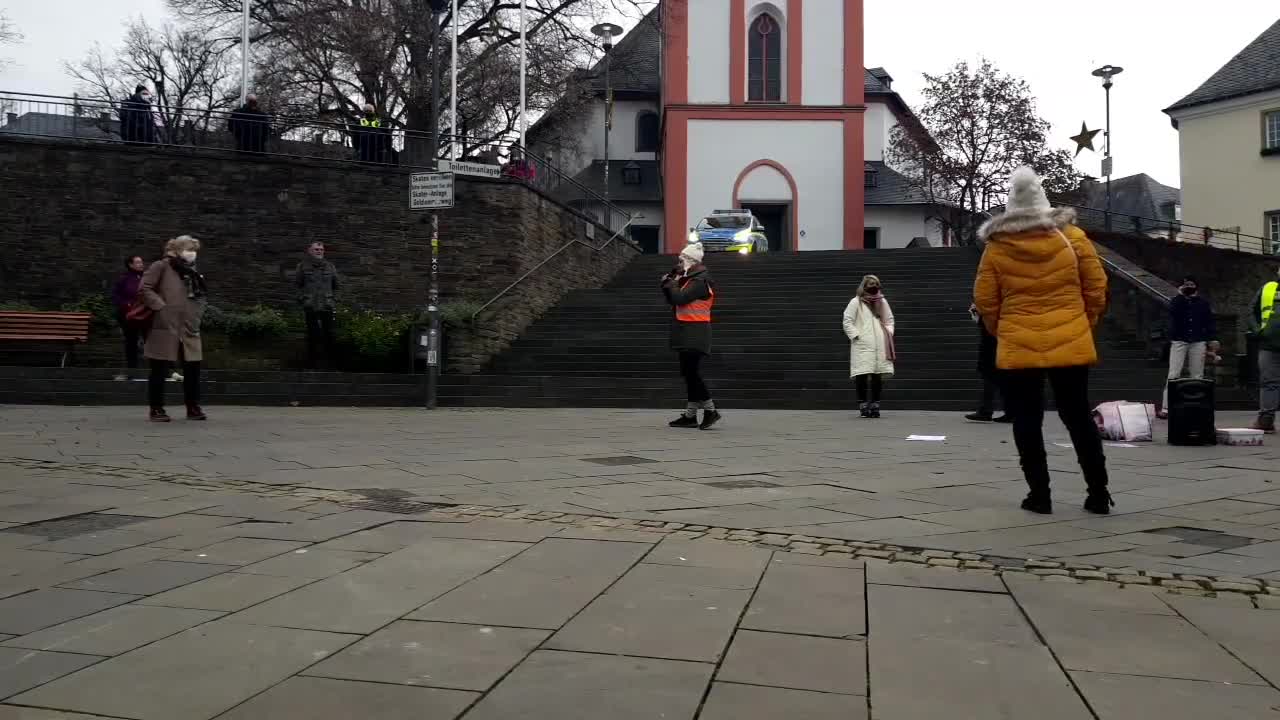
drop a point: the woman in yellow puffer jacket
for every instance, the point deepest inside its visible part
(1041, 290)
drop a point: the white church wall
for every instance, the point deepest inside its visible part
(823, 52)
(709, 52)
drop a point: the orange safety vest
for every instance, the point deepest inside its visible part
(698, 311)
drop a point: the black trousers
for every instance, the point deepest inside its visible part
(1025, 399)
(691, 370)
(861, 383)
(319, 337)
(987, 400)
(132, 337)
(160, 370)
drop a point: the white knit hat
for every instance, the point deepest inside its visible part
(1026, 192)
(692, 253)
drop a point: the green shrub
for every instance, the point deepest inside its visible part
(458, 313)
(371, 333)
(17, 307)
(99, 306)
(256, 323)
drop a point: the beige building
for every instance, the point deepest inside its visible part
(1229, 140)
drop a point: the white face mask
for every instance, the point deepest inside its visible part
(189, 256)
(686, 263)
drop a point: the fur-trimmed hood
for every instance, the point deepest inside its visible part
(1018, 221)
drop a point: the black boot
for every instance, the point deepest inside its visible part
(709, 418)
(684, 421)
(873, 410)
(864, 410)
(1099, 502)
(1038, 499)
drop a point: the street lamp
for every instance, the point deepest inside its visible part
(438, 7)
(1106, 72)
(607, 32)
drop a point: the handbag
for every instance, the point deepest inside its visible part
(138, 313)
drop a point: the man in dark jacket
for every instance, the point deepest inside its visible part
(318, 294)
(990, 376)
(1266, 326)
(249, 125)
(136, 122)
(691, 293)
(1191, 328)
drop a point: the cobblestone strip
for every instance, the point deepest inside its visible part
(1263, 594)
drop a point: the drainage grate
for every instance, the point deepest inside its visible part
(1207, 538)
(69, 527)
(382, 493)
(402, 507)
(620, 460)
(741, 484)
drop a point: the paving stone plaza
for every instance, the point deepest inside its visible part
(387, 564)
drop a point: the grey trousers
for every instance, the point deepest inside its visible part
(1269, 382)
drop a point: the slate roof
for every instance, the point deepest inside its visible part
(871, 82)
(635, 60)
(1255, 69)
(592, 176)
(891, 188)
(55, 125)
(1136, 195)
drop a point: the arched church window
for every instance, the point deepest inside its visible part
(764, 60)
(647, 132)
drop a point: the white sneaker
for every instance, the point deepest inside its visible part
(175, 377)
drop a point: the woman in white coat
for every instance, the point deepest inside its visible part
(868, 323)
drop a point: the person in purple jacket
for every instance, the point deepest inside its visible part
(122, 295)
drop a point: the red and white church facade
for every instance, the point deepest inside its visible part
(763, 104)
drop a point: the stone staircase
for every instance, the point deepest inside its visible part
(778, 340)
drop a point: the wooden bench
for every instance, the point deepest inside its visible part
(64, 328)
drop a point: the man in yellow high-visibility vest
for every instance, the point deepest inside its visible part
(1267, 325)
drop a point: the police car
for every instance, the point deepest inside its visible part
(730, 231)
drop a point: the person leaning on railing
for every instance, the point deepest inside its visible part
(136, 122)
(250, 126)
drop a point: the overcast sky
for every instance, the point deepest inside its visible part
(1167, 49)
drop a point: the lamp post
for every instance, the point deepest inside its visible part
(607, 32)
(433, 287)
(244, 54)
(1106, 72)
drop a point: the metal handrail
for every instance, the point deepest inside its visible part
(549, 258)
(1154, 293)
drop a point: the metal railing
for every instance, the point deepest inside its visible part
(1175, 231)
(274, 135)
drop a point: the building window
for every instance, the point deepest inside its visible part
(1271, 132)
(1272, 226)
(647, 132)
(631, 174)
(764, 60)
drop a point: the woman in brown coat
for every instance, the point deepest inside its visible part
(175, 292)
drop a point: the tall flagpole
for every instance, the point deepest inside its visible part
(524, 60)
(453, 95)
(244, 55)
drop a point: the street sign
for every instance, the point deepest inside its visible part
(474, 169)
(430, 191)
(1106, 167)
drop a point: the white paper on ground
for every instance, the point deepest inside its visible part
(1065, 445)
(927, 438)
(1120, 445)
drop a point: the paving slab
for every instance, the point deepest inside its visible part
(1251, 635)
(1124, 697)
(311, 698)
(731, 701)
(486, 529)
(149, 578)
(832, 603)
(100, 543)
(167, 508)
(114, 631)
(196, 674)
(540, 588)
(443, 655)
(228, 592)
(976, 650)
(31, 611)
(941, 578)
(382, 539)
(127, 557)
(14, 712)
(311, 563)
(15, 561)
(692, 553)
(661, 612)
(23, 513)
(368, 597)
(24, 669)
(798, 662)
(238, 551)
(579, 686)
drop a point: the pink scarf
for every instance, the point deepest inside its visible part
(890, 353)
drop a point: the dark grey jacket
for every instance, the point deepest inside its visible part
(697, 284)
(317, 285)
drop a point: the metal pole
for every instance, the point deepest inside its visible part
(524, 60)
(1107, 87)
(432, 375)
(608, 108)
(453, 94)
(244, 55)
(435, 93)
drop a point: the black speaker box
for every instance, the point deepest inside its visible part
(1191, 412)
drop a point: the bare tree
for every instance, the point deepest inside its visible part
(9, 35)
(189, 69)
(976, 126)
(332, 56)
